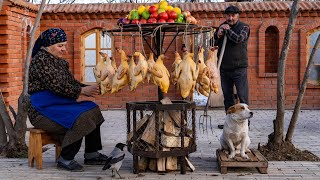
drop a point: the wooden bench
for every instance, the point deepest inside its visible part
(37, 139)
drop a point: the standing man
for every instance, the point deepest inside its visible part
(233, 69)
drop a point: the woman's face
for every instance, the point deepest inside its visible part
(58, 49)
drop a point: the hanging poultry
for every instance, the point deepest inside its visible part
(99, 69)
(203, 81)
(139, 71)
(161, 74)
(113, 63)
(186, 75)
(174, 67)
(142, 66)
(132, 66)
(120, 79)
(107, 75)
(150, 62)
(213, 70)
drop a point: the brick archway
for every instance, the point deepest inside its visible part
(262, 45)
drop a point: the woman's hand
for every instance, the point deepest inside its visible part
(91, 90)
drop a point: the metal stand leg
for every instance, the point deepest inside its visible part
(135, 164)
(182, 165)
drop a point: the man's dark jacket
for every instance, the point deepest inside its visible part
(236, 54)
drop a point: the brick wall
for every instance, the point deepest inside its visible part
(262, 82)
(13, 46)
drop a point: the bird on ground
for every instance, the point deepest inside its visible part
(115, 159)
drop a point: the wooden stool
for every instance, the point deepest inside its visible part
(256, 159)
(37, 139)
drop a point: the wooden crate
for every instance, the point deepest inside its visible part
(256, 160)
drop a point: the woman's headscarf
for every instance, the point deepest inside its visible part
(49, 37)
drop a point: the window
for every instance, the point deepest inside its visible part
(94, 41)
(314, 77)
(271, 49)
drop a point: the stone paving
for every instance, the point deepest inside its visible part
(306, 137)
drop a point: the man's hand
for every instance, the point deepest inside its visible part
(222, 29)
(213, 48)
(91, 90)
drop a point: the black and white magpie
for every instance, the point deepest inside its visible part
(115, 159)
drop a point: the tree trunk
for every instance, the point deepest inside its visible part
(9, 127)
(3, 133)
(302, 90)
(17, 145)
(6, 118)
(23, 101)
(278, 138)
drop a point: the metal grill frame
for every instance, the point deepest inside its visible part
(156, 107)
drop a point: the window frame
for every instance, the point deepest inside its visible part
(308, 47)
(98, 48)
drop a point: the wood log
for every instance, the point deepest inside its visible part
(169, 128)
(143, 163)
(161, 164)
(174, 114)
(173, 141)
(192, 168)
(171, 162)
(139, 126)
(153, 165)
(149, 133)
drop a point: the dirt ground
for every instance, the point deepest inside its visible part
(287, 152)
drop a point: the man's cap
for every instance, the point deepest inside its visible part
(232, 10)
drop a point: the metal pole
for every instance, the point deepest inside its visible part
(158, 48)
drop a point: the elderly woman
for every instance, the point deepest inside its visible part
(53, 102)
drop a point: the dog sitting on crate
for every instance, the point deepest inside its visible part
(235, 134)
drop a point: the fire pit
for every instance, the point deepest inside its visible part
(162, 135)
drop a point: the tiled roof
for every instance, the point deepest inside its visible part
(23, 4)
(193, 7)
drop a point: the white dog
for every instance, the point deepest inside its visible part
(235, 131)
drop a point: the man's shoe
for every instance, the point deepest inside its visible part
(100, 160)
(73, 166)
(220, 126)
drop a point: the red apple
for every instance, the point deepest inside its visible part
(135, 21)
(163, 15)
(152, 20)
(172, 15)
(152, 9)
(170, 21)
(143, 21)
(154, 15)
(161, 21)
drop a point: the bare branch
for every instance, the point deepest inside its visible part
(28, 60)
(302, 90)
(5, 116)
(14, 114)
